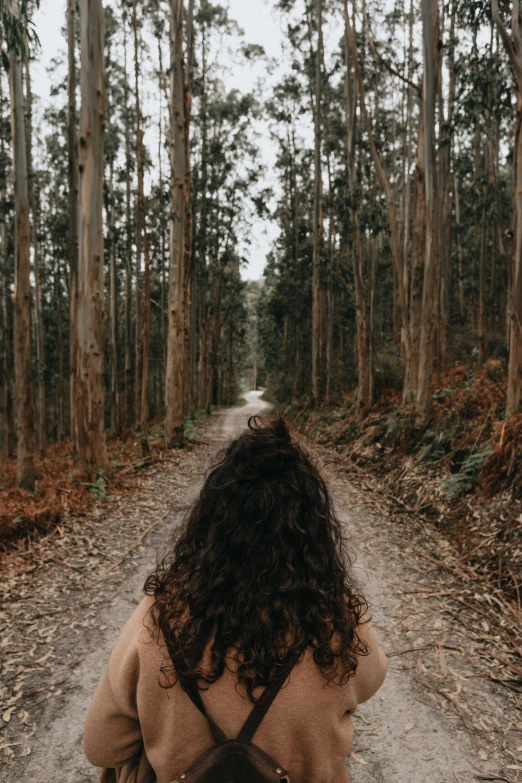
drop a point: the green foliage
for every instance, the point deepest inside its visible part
(98, 488)
(190, 427)
(14, 29)
(466, 479)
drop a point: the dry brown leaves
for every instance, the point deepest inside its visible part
(61, 489)
(54, 588)
(483, 532)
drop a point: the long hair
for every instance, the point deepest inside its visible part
(259, 569)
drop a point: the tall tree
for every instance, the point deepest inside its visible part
(90, 397)
(9, 437)
(72, 153)
(176, 376)
(25, 467)
(140, 212)
(514, 49)
(35, 209)
(317, 326)
(430, 36)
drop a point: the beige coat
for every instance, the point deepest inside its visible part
(140, 733)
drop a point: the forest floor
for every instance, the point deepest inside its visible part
(439, 718)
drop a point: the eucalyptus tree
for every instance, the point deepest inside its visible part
(72, 178)
(25, 467)
(90, 392)
(178, 362)
(513, 45)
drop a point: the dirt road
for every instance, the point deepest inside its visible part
(438, 718)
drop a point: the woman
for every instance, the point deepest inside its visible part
(258, 575)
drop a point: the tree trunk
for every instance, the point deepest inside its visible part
(72, 152)
(384, 180)
(129, 406)
(514, 390)
(190, 270)
(514, 387)
(424, 397)
(460, 267)
(482, 316)
(176, 375)
(318, 216)
(60, 417)
(364, 366)
(446, 208)
(417, 260)
(7, 313)
(145, 332)
(113, 311)
(90, 410)
(34, 206)
(140, 216)
(25, 468)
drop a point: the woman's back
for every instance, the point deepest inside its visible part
(308, 728)
(260, 571)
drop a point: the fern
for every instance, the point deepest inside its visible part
(466, 479)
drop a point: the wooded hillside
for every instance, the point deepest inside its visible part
(397, 194)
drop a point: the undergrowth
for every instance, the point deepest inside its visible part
(61, 490)
(463, 473)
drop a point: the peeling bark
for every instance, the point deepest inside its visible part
(25, 468)
(90, 398)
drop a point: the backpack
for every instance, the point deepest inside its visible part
(238, 760)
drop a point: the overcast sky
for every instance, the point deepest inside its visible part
(260, 25)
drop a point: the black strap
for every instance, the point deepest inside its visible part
(265, 702)
(258, 713)
(195, 694)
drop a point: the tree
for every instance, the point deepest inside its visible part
(176, 375)
(514, 50)
(424, 398)
(90, 395)
(35, 210)
(317, 325)
(7, 302)
(72, 157)
(25, 467)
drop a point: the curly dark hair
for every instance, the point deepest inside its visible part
(260, 569)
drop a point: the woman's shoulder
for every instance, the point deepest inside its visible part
(138, 631)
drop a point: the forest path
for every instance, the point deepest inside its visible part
(65, 602)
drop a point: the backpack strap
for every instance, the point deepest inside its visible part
(265, 702)
(258, 713)
(195, 695)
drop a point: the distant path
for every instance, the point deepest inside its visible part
(66, 601)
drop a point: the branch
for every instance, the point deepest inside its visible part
(515, 26)
(387, 64)
(515, 61)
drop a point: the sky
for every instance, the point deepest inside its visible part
(260, 25)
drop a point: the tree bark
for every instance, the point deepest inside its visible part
(514, 386)
(177, 365)
(418, 250)
(364, 365)
(145, 341)
(7, 312)
(90, 410)
(424, 397)
(317, 329)
(446, 208)
(384, 180)
(129, 406)
(72, 153)
(25, 468)
(34, 206)
(115, 412)
(140, 217)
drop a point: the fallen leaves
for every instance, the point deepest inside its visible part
(55, 589)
